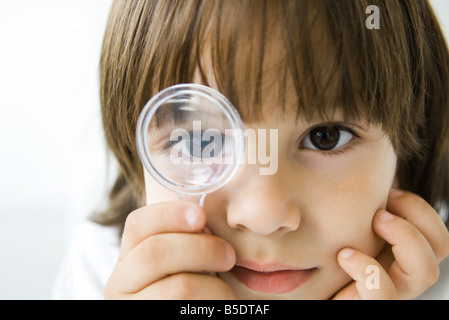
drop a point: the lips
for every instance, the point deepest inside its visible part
(271, 278)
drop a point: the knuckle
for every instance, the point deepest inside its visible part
(211, 246)
(205, 244)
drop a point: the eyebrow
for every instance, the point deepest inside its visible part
(176, 115)
(334, 115)
(359, 124)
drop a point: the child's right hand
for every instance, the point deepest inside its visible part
(164, 255)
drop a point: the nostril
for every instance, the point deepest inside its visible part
(265, 222)
(263, 206)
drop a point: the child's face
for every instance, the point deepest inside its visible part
(317, 203)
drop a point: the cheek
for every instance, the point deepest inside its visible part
(347, 194)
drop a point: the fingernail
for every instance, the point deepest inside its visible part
(386, 216)
(395, 193)
(191, 217)
(346, 253)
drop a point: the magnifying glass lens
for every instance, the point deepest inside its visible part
(190, 138)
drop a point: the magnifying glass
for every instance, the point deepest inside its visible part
(190, 139)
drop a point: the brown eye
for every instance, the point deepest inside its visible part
(326, 138)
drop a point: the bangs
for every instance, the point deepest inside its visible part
(274, 55)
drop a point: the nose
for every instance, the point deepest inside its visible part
(262, 206)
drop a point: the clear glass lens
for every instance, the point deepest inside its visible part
(190, 139)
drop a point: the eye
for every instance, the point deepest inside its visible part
(327, 138)
(198, 144)
(199, 147)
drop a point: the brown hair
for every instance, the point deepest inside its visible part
(397, 76)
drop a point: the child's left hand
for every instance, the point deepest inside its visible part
(407, 267)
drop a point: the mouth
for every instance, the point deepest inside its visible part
(274, 279)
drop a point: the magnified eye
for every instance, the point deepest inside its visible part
(199, 144)
(205, 147)
(327, 138)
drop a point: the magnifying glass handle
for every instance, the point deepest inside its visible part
(199, 199)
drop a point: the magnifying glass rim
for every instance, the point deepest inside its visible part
(218, 99)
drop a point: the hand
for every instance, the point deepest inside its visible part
(418, 241)
(164, 255)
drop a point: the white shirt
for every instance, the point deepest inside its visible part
(91, 258)
(88, 263)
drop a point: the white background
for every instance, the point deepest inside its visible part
(52, 156)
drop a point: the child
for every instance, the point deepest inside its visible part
(363, 152)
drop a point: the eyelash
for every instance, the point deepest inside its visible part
(341, 151)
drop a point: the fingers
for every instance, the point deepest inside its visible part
(166, 246)
(179, 216)
(415, 267)
(371, 281)
(417, 241)
(187, 286)
(420, 214)
(166, 254)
